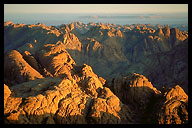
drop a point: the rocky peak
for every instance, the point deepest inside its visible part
(177, 34)
(45, 85)
(110, 34)
(166, 31)
(159, 32)
(103, 26)
(176, 93)
(79, 99)
(55, 59)
(119, 33)
(8, 23)
(137, 86)
(174, 107)
(17, 70)
(72, 42)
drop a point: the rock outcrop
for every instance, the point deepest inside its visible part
(137, 86)
(7, 93)
(135, 91)
(17, 70)
(55, 59)
(174, 108)
(149, 105)
(166, 68)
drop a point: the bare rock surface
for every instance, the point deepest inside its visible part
(17, 70)
(55, 59)
(53, 100)
(174, 108)
(80, 98)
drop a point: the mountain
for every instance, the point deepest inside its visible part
(95, 73)
(148, 104)
(109, 48)
(72, 94)
(17, 70)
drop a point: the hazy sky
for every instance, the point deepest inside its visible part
(95, 8)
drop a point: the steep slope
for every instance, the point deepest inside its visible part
(17, 70)
(117, 45)
(165, 68)
(81, 97)
(55, 59)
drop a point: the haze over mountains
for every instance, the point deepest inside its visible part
(82, 73)
(53, 19)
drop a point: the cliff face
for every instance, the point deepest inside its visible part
(50, 77)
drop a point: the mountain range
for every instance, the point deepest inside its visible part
(50, 73)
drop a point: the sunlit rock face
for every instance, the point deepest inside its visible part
(76, 97)
(17, 70)
(175, 107)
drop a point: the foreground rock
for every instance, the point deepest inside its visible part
(53, 100)
(74, 95)
(134, 89)
(149, 105)
(174, 108)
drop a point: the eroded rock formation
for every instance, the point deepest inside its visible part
(80, 98)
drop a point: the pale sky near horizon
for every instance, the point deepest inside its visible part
(95, 8)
